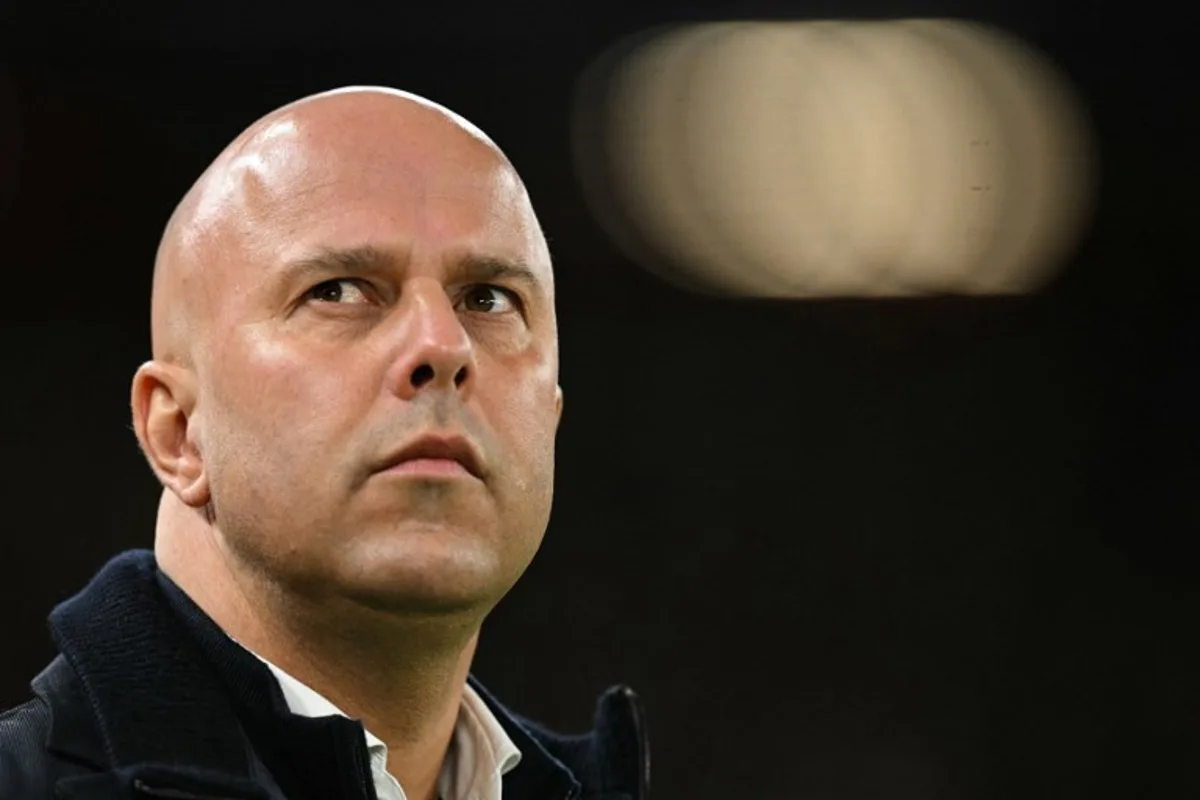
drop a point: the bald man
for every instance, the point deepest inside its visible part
(351, 406)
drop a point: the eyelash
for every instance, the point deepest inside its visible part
(513, 297)
(311, 292)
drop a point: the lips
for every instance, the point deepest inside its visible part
(434, 448)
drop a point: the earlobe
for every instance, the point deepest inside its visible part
(558, 405)
(162, 400)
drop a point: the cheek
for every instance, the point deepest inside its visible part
(530, 423)
(274, 405)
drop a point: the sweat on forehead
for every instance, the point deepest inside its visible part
(348, 134)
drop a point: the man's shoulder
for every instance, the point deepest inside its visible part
(30, 718)
(48, 737)
(24, 762)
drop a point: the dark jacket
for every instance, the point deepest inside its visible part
(148, 698)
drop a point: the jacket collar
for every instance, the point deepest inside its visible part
(171, 697)
(133, 664)
(154, 698)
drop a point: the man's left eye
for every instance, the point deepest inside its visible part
(489, 300)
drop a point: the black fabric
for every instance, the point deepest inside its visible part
(149, 698)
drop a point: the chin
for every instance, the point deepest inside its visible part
(427, 570)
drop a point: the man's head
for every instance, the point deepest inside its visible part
(359, 273)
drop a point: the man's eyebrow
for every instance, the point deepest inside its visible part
(370, 260)
(362, 260)
(489, 269)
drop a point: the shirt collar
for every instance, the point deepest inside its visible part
(481, 753)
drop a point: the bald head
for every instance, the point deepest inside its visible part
(257, 184)
(359, 270)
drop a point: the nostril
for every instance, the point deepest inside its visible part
(422, 375)
(460, 377)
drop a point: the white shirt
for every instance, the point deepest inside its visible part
(480, 751)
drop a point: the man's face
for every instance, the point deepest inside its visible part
(380, 290)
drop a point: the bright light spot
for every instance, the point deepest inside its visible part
(816, 159)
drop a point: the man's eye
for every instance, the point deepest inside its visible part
(487, 299)
(340, 290)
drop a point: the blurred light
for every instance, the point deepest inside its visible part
(816, 159)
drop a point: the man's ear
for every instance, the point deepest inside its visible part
(558, 405)
(163, 397)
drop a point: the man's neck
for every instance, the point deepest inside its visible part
(401, 677)
(408, 696)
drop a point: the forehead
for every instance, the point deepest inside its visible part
(428, 189)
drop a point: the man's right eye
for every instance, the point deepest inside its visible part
(339, 290)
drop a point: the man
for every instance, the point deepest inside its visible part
(351, 406)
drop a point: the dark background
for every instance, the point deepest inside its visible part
(919, 549)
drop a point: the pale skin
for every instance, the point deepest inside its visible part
(357, 270)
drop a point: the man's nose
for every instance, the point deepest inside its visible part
(437, 353)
